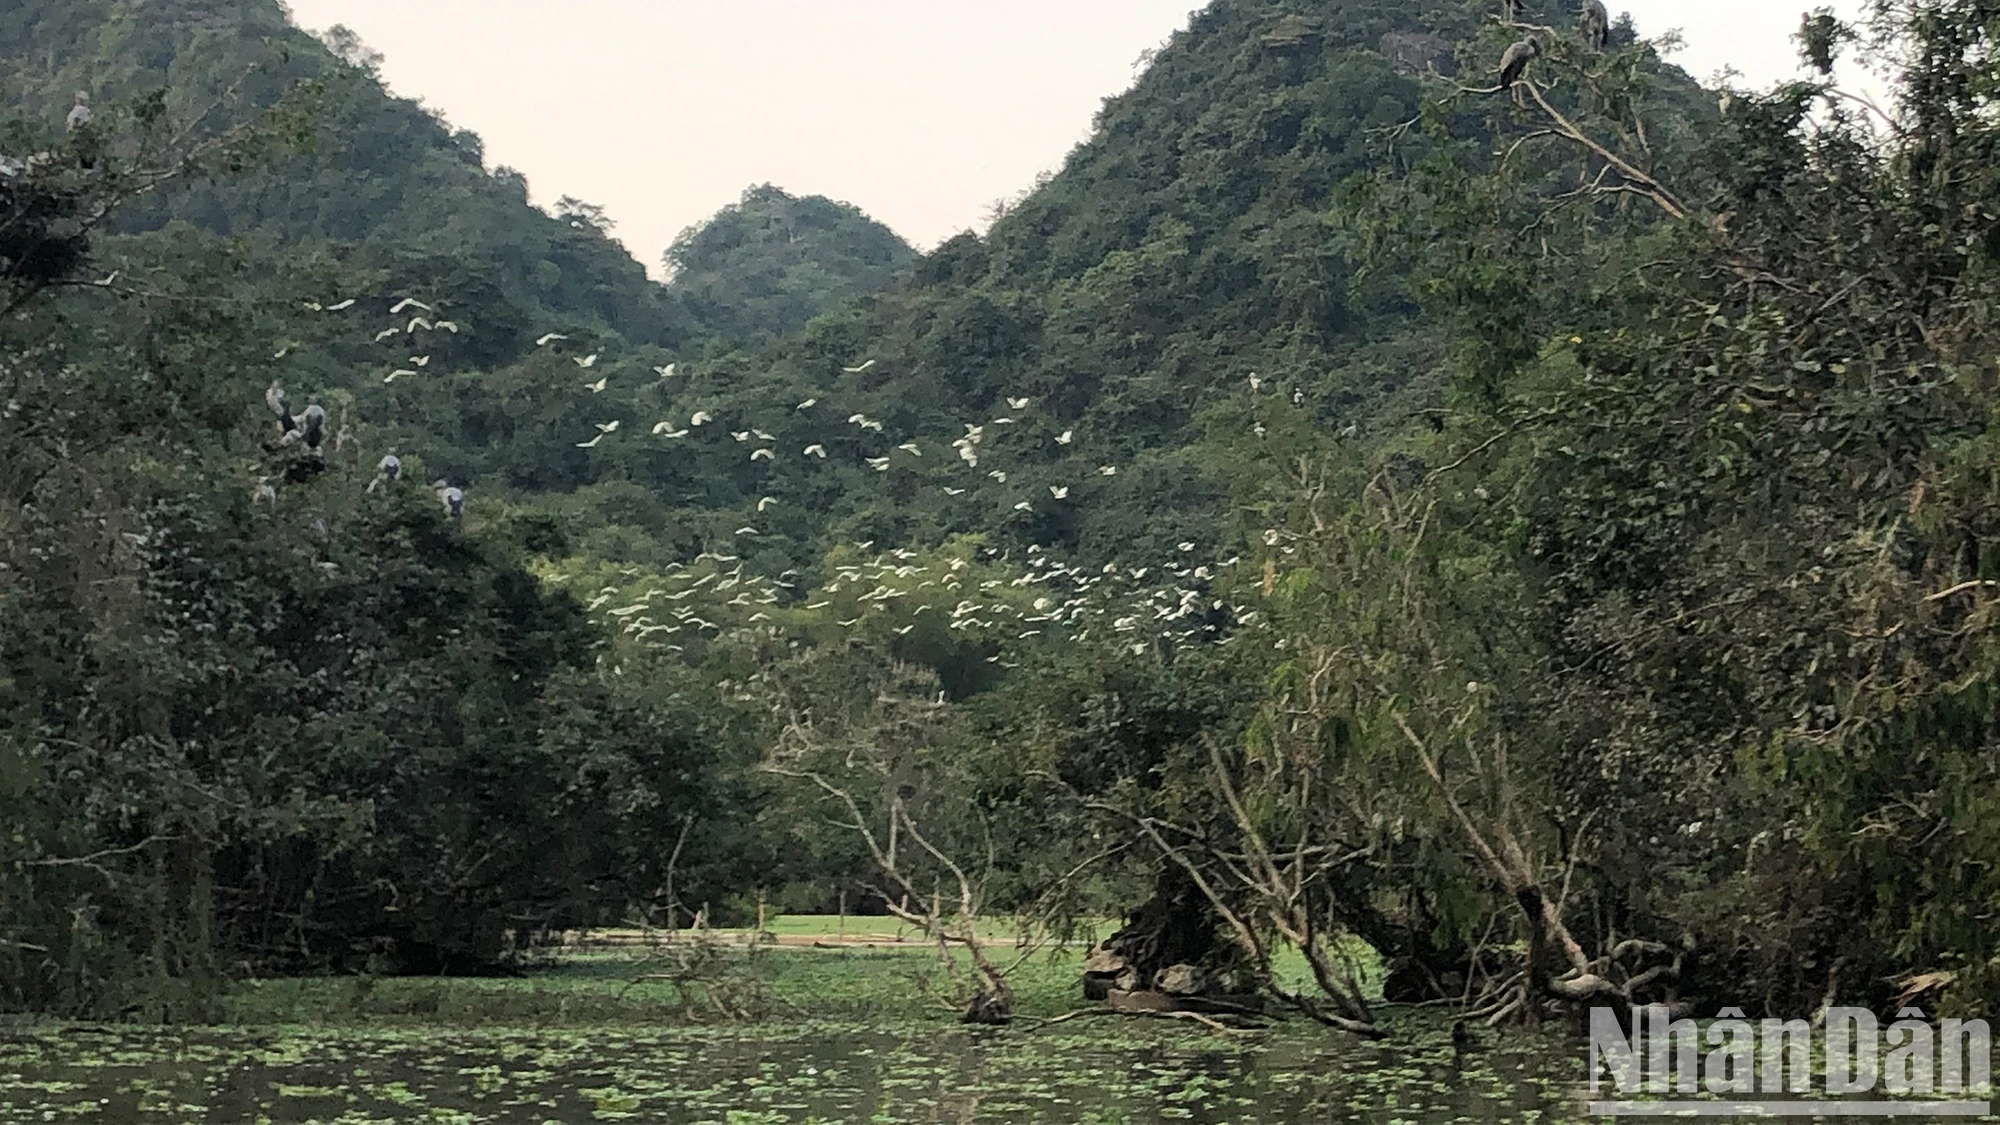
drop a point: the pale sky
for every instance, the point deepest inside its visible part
(921, 112)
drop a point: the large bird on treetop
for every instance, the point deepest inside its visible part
(79, 114)
(452, 498)
(388, 470)
(1595, 24)
(1515, 61)
(313, 421)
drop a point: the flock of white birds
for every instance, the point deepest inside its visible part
(966, 446)
(962, 589)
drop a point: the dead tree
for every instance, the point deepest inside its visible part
(985, 998)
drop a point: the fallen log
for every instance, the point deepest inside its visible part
(1223, 1022)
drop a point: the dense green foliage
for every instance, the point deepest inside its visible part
(765, 265)
(1493, 526)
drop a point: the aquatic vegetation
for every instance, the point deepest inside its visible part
(821, 1071)
(902, 1069)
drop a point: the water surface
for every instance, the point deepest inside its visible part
(1098, 1071)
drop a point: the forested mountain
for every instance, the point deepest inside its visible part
(1541, 532)
(1198, 239)
(400, 199)
(767, 264)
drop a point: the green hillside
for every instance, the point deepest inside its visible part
(1200, 237)
(767, 264)
(402, 200)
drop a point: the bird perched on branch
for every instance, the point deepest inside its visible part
(288, 426)
(452, 498)
(312, 424)
(388, 470)
(1514, 63)
(84, 138)
(1595, 24)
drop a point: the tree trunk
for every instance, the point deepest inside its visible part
(1175, 926)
